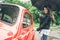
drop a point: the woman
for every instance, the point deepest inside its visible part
(45, 22)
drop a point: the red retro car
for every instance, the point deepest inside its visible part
(16, 23)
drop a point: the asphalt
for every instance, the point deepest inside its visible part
(54, 35)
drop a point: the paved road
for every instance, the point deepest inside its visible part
(54, 35)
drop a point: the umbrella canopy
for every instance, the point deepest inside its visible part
(53, 4)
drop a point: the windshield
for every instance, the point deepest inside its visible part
(8, 13)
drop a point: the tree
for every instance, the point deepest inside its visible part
(34, 10)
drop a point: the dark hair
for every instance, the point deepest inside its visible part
(47, 6)
(49, 10)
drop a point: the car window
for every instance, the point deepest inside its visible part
(26, 20)
(8, 13)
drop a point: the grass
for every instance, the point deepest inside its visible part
(36, 25)
(52, 27)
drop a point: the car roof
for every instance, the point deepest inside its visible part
(19, 6)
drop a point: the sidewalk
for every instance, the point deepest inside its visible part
(54, 35)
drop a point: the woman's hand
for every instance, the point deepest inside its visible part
(41, 15)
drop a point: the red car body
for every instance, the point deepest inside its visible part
(16, 23)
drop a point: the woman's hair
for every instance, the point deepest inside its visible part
(49, 10)
(48, 7)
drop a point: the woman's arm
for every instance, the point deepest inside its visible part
(41, 15)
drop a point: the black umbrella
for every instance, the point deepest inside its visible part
(53, 4)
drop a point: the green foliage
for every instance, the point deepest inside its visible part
(35, 13)
(57, 17)
(28, 6)
(34, 10)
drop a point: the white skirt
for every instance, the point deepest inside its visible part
(44, 31)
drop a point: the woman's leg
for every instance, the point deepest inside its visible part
(44, 37)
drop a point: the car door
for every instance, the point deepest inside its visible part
(27, 26)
